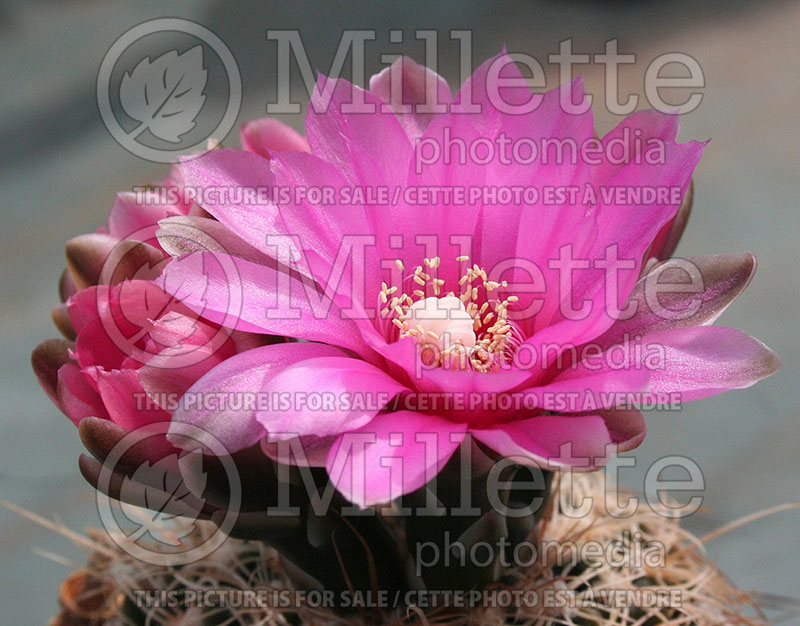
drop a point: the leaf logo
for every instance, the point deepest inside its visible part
(165, 95)
(159, 487)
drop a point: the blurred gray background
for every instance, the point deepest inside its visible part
(60, 168)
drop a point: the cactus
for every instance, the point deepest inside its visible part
(336, 550)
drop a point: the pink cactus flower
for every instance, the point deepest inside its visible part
(419, 316)
(136, 348)
(126, 336)
(430, 306)
(135, 215)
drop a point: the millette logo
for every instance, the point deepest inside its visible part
(166, 87)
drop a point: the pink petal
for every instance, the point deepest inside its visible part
(126, 401)
(136, 217)
(246, 296)
(627, 228)
(551, 441)
(445, 227)
(369, 148)
(76, 397)
(322, 228)
(83, 306)
(175, 365)
(484, 90)
(185, 234)
(408, 100)
(723, 278)
(637, 132)
(440, 379)
(627, 428)
(264, 135)
(130, 305)
(396, 453)
(403, 358)
(633, 134)
(238, 378)
(351, 393)
(307, 451)
(113, 321)
(94, 346)
(578, 388)
(252, 217)
(534, 232)
(707, 360)
(670, 234)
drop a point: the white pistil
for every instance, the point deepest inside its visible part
(443, 322)
(465, 331)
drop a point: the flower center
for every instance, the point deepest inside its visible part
(466, 331)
